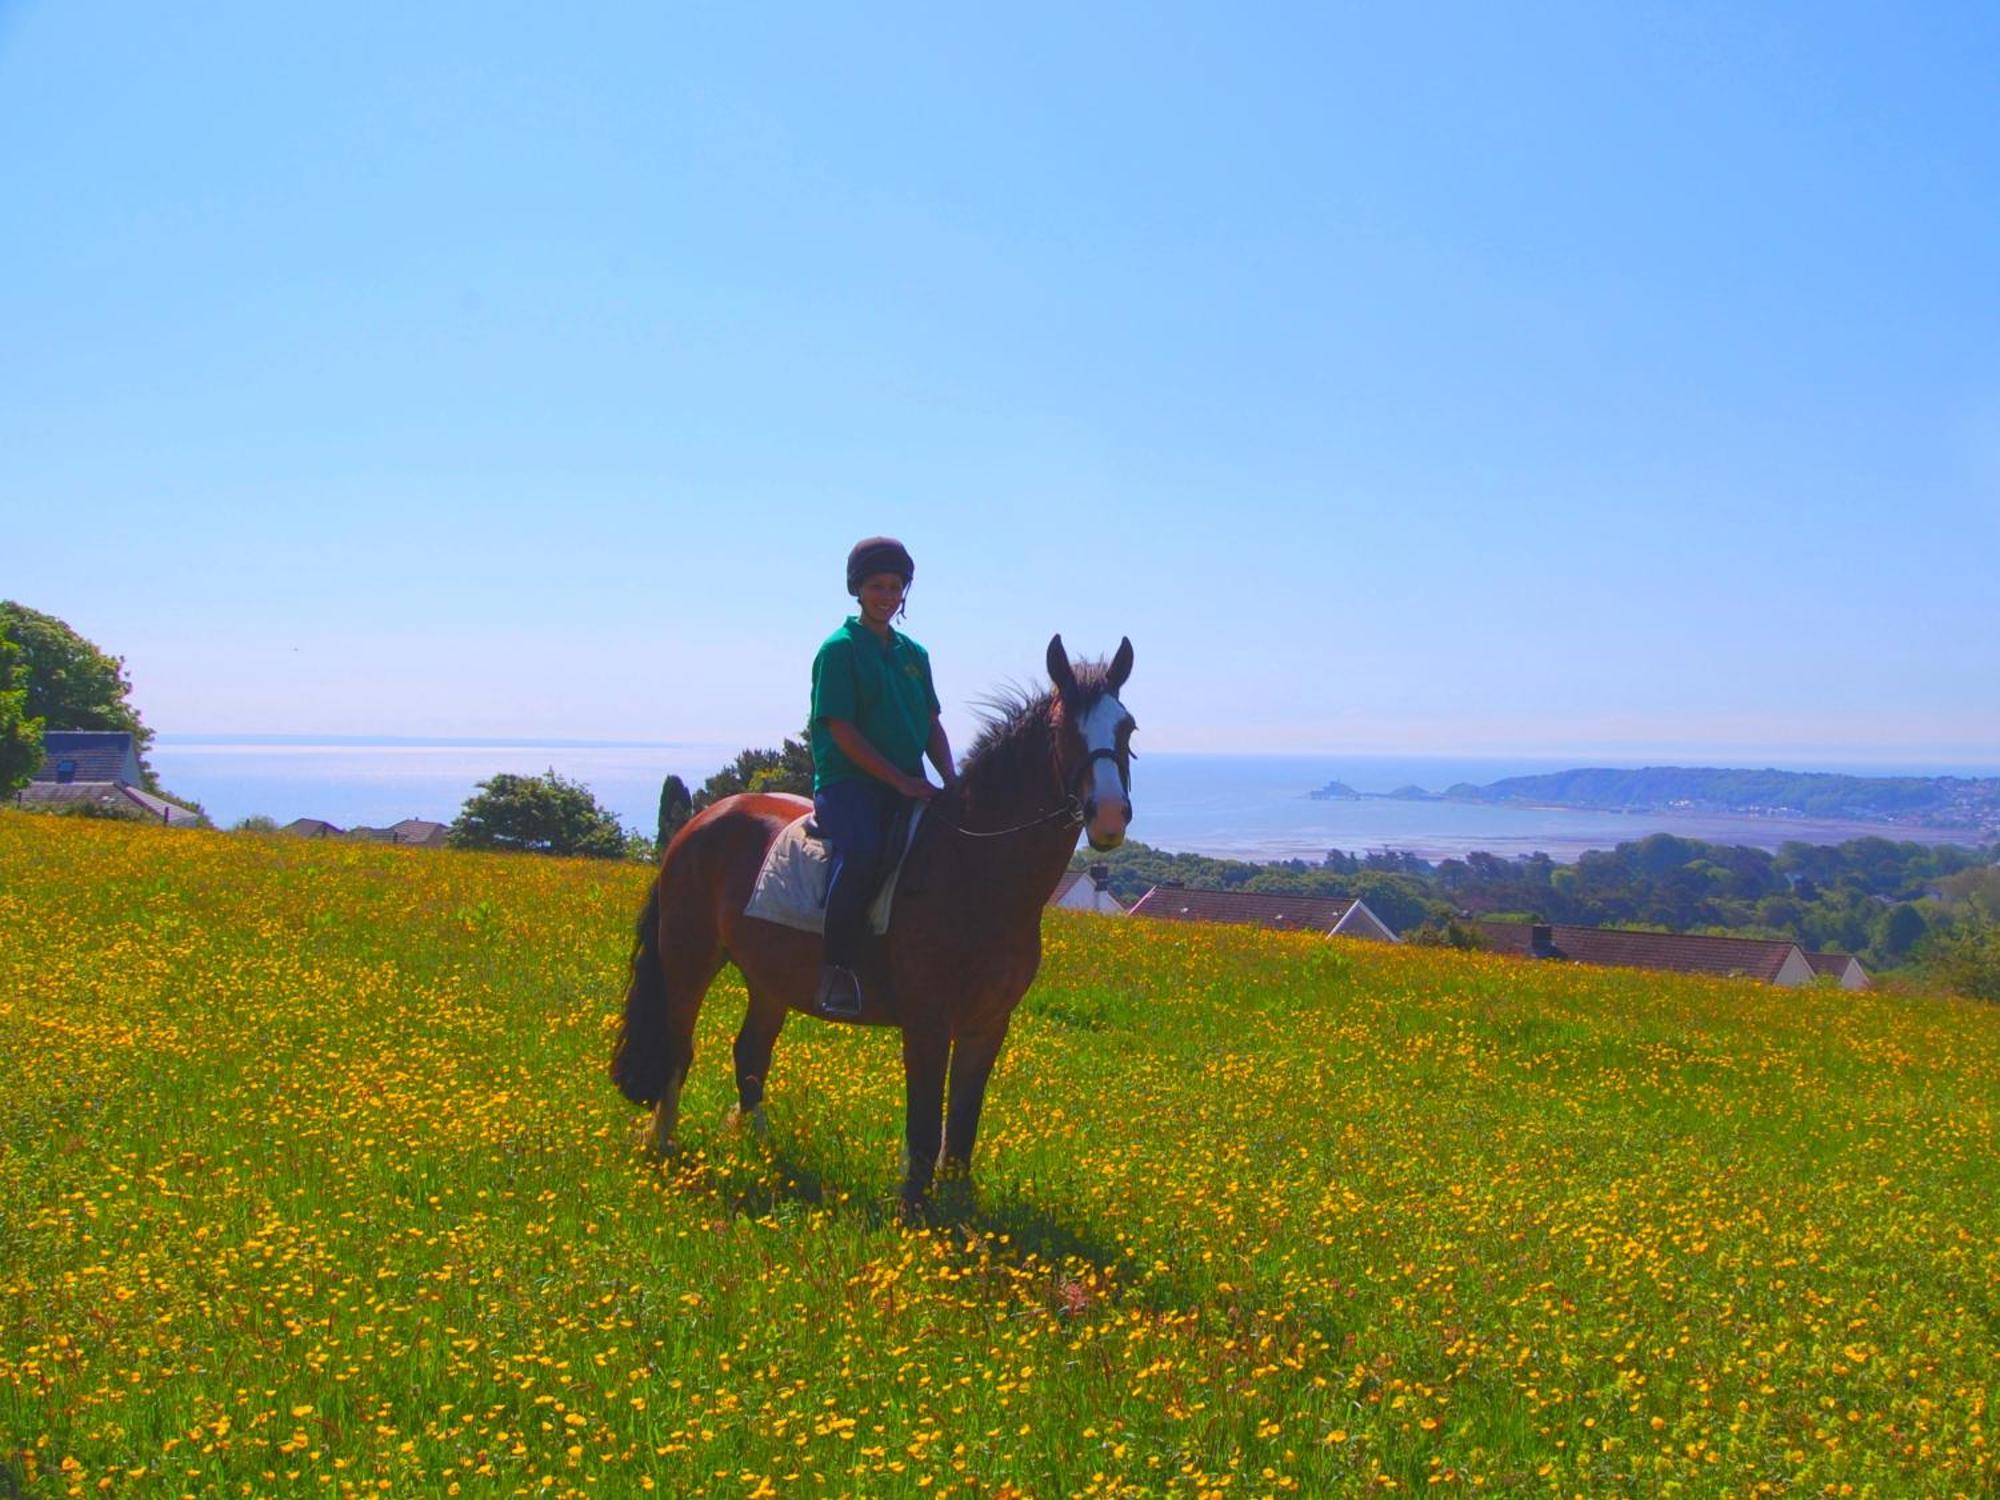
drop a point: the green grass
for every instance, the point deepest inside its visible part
(311, 1180)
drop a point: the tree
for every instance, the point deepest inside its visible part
(786, 770)
(1965, 957)
(545, 814)
(72, 684)
(20, 733)
(1902, 930)
(676, 807)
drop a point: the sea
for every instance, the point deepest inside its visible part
(1251, 807)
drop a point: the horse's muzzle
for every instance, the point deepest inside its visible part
(1104, 823)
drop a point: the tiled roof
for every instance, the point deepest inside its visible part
(310, 828)
(63, 793)
(167, 812)
(1257, 908)
(1069, 878)
(108, 794)
(100, 754)
(1684, 953)
(1831, 963)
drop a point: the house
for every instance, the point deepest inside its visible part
(1087, 890)
(419, 831)
(1773, 962)
(89, 755)
(1843, 968)
(100, 767)
(1334, 916)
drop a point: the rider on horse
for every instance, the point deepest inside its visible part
(874, 718)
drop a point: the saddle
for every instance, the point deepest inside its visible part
(791, 885)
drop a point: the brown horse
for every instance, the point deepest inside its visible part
(964, 940)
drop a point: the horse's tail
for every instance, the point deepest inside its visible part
(643, 1058)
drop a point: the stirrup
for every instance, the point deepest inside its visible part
(839, 993)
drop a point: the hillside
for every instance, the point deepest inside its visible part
(310, 1176)
(1971, 803)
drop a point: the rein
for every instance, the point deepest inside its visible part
(1071, 811)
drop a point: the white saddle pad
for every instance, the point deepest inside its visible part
(791, 887)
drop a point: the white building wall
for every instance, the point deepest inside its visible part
(1795, 969)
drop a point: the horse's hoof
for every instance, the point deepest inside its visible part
(914, 1209)
(751, 1120)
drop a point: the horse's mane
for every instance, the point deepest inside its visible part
(1015, 746)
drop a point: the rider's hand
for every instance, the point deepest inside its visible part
(918, 788)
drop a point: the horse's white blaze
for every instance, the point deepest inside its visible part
(1100, 732)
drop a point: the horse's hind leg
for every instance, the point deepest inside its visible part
(761, 1025)
(690, 957)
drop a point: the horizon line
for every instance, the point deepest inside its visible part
(1658, 757)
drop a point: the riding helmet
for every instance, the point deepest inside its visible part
(878, 554)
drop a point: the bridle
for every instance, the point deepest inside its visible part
(1071, 810)
(1121, 762)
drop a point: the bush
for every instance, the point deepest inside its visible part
(107, 809)
(546, 814)
(1448, 933)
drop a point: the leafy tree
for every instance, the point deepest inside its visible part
(545, 814)
(73, 684)
(1965, 957)
(1977, 888)
(676, 807)
(20, 732)
(789, 769)
(255, 823)
(1902, 930)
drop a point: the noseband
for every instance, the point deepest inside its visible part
(1123, 765)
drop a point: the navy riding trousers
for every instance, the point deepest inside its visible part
(853, 817)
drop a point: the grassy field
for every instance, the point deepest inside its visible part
(311, 1180)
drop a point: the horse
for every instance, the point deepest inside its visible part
(964, 938)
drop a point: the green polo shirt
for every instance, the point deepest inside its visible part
(882, 689)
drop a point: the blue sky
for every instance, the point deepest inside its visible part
(1608, 380)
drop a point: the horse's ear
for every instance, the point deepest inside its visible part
(1060, 672)
(1121, 664)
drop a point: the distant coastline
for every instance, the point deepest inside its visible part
(1958, 805)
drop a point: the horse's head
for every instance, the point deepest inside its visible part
(1094, 741)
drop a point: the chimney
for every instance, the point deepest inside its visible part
(1100, 876)
(1542, 941)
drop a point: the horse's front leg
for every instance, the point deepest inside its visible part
(925, 1049)
(972, 1059)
